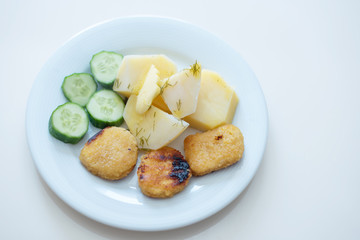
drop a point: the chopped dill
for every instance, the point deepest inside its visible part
(165, 85)
(143, 140)
(137, 131)
(178, 105)
(117, 84)
(147, 140)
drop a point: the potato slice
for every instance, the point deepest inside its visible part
(216, 104)
(134, 68)
(180, 92)
(154, 128)
(148, 91)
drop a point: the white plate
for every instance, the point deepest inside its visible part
(120, 203)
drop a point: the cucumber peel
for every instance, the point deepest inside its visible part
(78, 88)
(105, 108)
(69, 123)
(105, 66)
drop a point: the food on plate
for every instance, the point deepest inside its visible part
(161, 104)
(105, 108)
(154, 128)
(110, 154)
(68, 123)
(133, 71)
(78, 88)
(216, 103)
(180, 91)
(105, 66)
(163, 173)
(148, 91)
(213, 150)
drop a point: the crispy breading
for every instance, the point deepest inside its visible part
(213, 150)
(110, 154)
(163, 173)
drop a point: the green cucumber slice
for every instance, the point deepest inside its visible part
(105, 108)
(105, 66)
(69, 123)
(79, 87)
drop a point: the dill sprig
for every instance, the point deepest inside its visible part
(195, 69)
(117, 84)
(166, 84)
(137, 131)
(144, 140)
(178, 104)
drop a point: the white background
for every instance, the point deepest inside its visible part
(306, 55)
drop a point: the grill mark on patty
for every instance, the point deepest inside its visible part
(95, 136)
(180, 169)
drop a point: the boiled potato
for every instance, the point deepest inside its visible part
(133, 71)
(216, 104)
(154, 128)
(148, 91)
(180, 92)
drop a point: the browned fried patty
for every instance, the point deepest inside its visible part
(163, 173)
(213, 150)
(110, 154)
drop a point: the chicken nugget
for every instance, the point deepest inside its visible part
(163, 173)
(214, 149)
(110, 154)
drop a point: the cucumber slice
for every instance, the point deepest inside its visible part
(69, 123)
(105, 108)
(79, 87)
(105, 66)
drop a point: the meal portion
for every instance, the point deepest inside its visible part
(110, 154)
(79, 87)
(154, 128)
(158, 103)
(214, 149)
(104, 66)
(69, 123)
(216, 104)
(105, 108)
(163, 173)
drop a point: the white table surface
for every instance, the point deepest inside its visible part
(306, 55)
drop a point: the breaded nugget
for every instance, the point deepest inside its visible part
(213, 150)
(163, 173)
(110, 154)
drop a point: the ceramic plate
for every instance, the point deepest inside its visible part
(121, 203)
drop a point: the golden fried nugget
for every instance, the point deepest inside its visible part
(110, 154)
(213, 150)
(163, 173)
